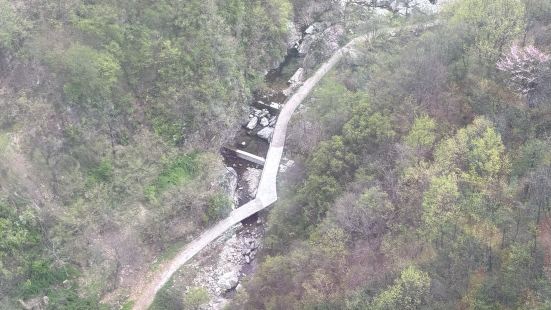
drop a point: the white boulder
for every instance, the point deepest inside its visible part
(264, 122)
(228, 280)
(252, 123)
(266, 133)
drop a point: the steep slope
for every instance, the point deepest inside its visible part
(113, 113)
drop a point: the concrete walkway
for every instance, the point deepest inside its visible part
(266, 193)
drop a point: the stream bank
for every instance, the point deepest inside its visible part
(219, 270)
(232, 257)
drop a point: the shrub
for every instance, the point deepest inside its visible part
(219, 207)
(195, 298)
(102, 173)
(179, 170)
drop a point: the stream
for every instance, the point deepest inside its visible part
(233, 257)
(275, 90)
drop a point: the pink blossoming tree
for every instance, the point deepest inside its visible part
(525, 66)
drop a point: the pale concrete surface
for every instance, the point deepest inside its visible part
(250, 157)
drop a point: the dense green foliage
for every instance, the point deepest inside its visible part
(423, 181)
(491, 24)
(408, 292)
(430, 189)
(113, 113)
(195, 298)
(181, 169)
(12, 26)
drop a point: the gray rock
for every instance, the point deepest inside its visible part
(288, 91)
(306, 43)
(272, 121)
(252, 177)
(293, 35)
(381, 12)
(228, 183)
(264, 122)
(316, 27)
(332, 36)
(399, 6)
(275, 105)
(297, 78)
(326, 43)
(247, 259)
(263, 113)
(266, 133)
(228, 280)
(252, 123)
(310, 30)
(312, 34)
(286, 164)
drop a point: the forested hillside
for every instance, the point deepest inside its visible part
(422, 173)
(427, 173)
(112, 115)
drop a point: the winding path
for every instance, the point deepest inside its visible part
(266, 194)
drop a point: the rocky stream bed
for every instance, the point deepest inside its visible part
(226, 262)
